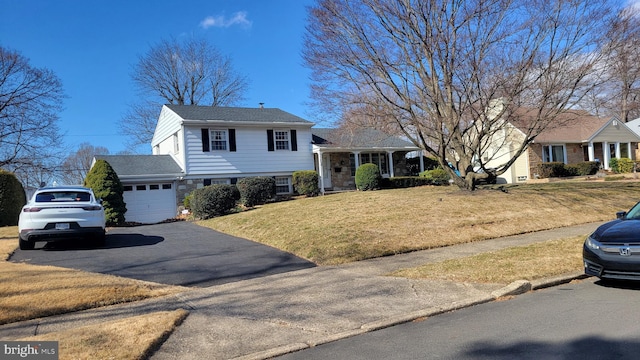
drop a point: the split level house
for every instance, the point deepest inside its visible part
(576, 136)
(195, 146)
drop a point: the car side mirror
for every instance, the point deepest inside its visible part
(100, 201)
(621, 214)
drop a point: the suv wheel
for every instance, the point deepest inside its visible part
(26, 244)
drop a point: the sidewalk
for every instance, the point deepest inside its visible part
(273, 315)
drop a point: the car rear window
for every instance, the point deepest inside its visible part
(63, 196)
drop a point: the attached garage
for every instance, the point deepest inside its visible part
(149, 183)
(150, 203)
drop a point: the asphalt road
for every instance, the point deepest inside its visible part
(585, 320)
(179, 253)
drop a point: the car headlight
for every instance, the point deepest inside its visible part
(592, 244)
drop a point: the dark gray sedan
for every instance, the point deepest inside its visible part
(613, 250)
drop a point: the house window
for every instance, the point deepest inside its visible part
(218, 139)
(141, 187)
(281, 140)
(283, 185)
(379, 159)
(154, 187)
(553, 153)
(352, 164)
(127, 188)
(176, 145)
(166, 186)
(208, 182)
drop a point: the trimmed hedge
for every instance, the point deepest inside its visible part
(558, 169)
(401, 182)
(213, 200)
(12, 198)
(436, 176)
(368, 177)
(107, 186)
(256, 190)
(305, 182)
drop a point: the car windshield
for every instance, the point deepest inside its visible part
(63, 196)
(634, 213)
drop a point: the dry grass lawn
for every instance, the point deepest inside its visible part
(352, 226)
(530, 262)
(131, 338)
(30, 291)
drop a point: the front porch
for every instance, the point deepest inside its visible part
(337, 169)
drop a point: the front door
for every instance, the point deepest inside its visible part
(326, 171)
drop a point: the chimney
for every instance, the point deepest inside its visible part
(261, 105)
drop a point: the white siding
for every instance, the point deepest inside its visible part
(168, 124)
(251, 157)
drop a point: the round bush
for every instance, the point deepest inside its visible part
(368, 177)
(213, 200)
(12, 198)
(256, 190)
(305, 182)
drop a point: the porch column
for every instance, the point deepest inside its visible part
(591, 151)
(356, 156)
(321, 172)
(618, 150)
(421, 161)
(390, 155)
(605, 154)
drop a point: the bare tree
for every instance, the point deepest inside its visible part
(188, 72)
(75, 167)
(30, 99)
(452, 73)
(619, 95)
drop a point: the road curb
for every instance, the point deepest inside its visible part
(515, 288)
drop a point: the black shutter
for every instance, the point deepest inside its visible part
(270, 146)
(294, 141)
(205, 140)
(232, 139)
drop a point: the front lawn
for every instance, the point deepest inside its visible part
(352, 226)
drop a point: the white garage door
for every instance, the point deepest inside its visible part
(150, 203)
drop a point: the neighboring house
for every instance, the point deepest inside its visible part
(195, 146)
(576, 137)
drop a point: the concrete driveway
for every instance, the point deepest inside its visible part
(179, 253)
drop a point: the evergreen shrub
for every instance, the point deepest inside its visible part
(436, 176)
(106, 185)
(305, 182)
(368, 177)
(213, 200)
(12, 198)
(256, 190)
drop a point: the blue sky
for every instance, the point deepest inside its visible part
(92, 46)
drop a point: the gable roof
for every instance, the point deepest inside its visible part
(358, 139)
(137, 166)
(236, 114)
(571, 126)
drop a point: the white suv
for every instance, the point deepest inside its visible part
(61, 212)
